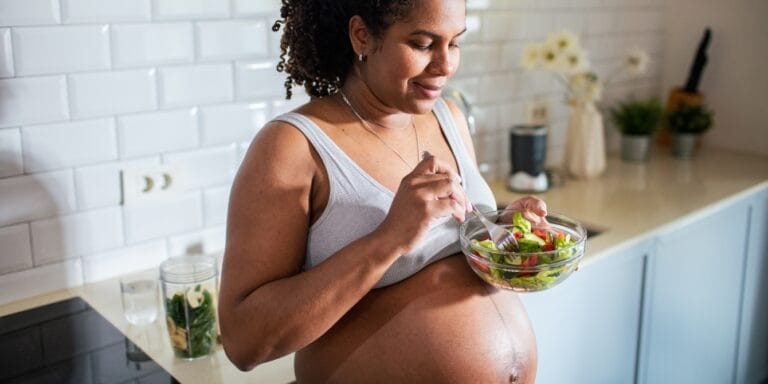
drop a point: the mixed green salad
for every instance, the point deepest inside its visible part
(191, 320)
(539, 262)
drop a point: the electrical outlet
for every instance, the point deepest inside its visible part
(151, 183)
(537, 112)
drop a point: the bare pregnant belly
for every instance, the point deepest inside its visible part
(442, 325)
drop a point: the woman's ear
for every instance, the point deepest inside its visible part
(361, 40)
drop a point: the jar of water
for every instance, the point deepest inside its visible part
(190, 292)
(139, 297)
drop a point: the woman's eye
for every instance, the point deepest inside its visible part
(421, 47)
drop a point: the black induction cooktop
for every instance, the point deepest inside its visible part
(69, 342)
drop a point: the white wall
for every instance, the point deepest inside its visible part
(735, 81)
(90, 87)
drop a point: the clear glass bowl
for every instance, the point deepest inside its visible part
(522, 271)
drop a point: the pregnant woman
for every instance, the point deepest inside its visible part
(342, 241)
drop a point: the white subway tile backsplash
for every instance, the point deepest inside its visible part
(33, 100)
(153, 133)
(537, 25)
(282, 105)
(190, 9)
(37, 196)
(104, 265)
(572, 21)
(231, 39)
(486, 118)
(88, 11)
(70, 236)
(478, 4)
(556, 134)
(152, 44)
(15, 249)
(469, 86)
(474, 23)
(601, 22)
(10, 152)
(230, 123)
(500, 26)
(36, 281)
(6, 54)
(207, 241)
(511, 53)
(215, 204)
(190, 85)
(206, 167)
(259, 80)
(479, 59)
(109, 93)
(31, 12)
(593, 3)
(48, 50)
(53, 146)
(242, 149)
(100, 185)
(154, 219)
(255, 7)
(497, 87)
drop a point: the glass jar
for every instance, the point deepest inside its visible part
(190, 291)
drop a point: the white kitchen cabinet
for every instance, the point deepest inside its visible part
(752, 367)
(587, 328)
(694, 299)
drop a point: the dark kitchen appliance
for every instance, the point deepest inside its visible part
(527, 154)
(69, 342)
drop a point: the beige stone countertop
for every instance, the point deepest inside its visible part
(630, 202)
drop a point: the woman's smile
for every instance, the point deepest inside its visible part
(428, 91)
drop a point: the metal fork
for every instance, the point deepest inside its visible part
(503, 239)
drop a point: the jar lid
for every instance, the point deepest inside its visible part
(528, 130)
(188, 269)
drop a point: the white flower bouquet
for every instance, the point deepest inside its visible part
(562, 54)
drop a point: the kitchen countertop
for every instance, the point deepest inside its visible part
(629, 203)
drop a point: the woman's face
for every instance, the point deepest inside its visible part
(416, 56)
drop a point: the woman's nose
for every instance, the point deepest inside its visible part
(443, 63)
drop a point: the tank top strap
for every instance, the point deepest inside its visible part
(323, 144)
(451, 132)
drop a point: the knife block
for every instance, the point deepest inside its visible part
(676, 97)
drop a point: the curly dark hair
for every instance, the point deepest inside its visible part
(315, 47)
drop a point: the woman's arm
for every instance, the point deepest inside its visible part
(267, 307)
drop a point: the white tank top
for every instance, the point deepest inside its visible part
(357, 203)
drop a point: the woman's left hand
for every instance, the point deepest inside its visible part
(532, 208)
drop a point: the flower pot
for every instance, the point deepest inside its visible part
(634, 148)
(684, 144)
(585, 142)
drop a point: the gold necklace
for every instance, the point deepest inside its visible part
(368, 128)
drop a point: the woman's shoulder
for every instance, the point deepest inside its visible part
(286, 126)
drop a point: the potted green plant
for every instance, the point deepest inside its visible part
(687, 123)
(637, 120)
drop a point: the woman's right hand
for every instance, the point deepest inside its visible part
(430, 192)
